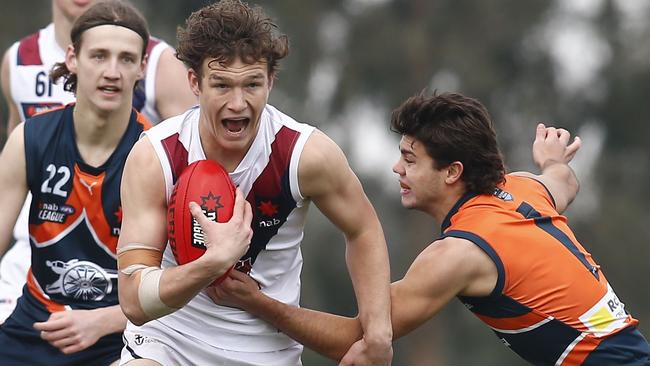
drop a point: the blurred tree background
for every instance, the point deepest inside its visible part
(580, 64)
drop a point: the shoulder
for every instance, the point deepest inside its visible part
(5, 73)
(277, 116)
(157, 45)
(532, 184)
(143, 180)
(6, 58)
(474, 271)
(9, 60)
(142, 153)
(173, 125)
(321, 149)
(161, 55)
(449, 248)
(27, 50)
(49, 118)
(24, 51)
(528, 181)
(323, 167)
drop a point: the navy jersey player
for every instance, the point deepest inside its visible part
(163, 93)
(71, 160)
(26, 64)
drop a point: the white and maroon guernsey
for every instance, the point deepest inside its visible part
(268, 176)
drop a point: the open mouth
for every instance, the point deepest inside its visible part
(109, 89)
(235, 125)
(404, 189)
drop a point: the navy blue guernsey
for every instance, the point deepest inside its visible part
(75, 214)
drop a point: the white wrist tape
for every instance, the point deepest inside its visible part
(149, 293)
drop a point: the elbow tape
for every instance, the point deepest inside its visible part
(149, 293)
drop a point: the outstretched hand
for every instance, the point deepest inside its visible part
(226, 242)
(238, 290)
(552, 146)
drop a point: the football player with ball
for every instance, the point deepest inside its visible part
(280, 166)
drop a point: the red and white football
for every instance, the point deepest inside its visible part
(209, 185)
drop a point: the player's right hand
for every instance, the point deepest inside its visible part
(552, 146)
(73, 330)
(226, 242)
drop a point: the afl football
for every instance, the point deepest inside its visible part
(208, 184)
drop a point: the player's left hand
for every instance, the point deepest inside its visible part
(73, 330)
(237, 290)
(364, 354)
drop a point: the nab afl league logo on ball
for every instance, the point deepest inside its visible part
(209, 204)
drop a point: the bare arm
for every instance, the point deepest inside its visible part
(173, 93)
(326, 178)
(144, 227)
(328, 334)
(13, 184)
(14, 117)
(552, 154)
(442, 271)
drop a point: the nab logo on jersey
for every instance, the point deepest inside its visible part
(54, 213)
(118, 219)
(31, 109)
(267, 210)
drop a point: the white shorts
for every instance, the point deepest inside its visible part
(15, 264)
(169, 347)
(13, 275)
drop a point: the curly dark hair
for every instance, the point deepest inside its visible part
(227, 30)
(453, 127)
(114, 12)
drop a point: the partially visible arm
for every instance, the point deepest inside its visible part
(446, 268)
(13, 118)
(552, 154)
(173, 93)
(326, 178)
(144, 236)
(328, 334)
(13, 184)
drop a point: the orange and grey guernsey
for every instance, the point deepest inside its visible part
(552, 304)
(74, 222)
(75, 215)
